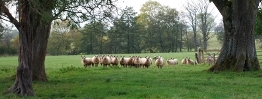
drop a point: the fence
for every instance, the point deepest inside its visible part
(206, 57)
(259, 55)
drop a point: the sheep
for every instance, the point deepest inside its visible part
(86, 61)
(149, 59)
(141, 62)
(131, 61)
(136, 61)
(106, 61)
(110, 58)
(124, 61)
(172, 61)
(114, 60)
(83, 60)
(95, 60)
(159, 61)
(101, 59)
(148, 62)
(184, 61)
(145, 62)
(210, 59)
(190, 61)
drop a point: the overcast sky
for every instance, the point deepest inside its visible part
(177, 4)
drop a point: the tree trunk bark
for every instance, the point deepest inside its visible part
(205, 42)
(195, 40)
(34, 31)
(238, 52)
(40, 42)
(23, 83)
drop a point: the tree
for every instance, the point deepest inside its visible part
(15, 43)
(258, 28)
(192, 11)
(238, 52)
(34, 23)
(121, 31)
(205, 21)
(6, 38)
(219, 30)
(128, 17)
(75, 41)
(182, 32)
(148, 18)
(1, 30)
(124, 35)
(167, 21)
(189, 40)
(161, 27)
(92, 38)
(59, 40)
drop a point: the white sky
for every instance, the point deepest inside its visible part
(177, 4)
(137, 4)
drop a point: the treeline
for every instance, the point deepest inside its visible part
(8, 41)
(156, 29)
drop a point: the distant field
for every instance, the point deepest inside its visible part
(213, 44)
(69, 79)
(74, 60)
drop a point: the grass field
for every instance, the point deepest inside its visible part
(213, 43)
(69, 79)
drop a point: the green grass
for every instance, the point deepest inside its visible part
(69, 79)
(213, 43)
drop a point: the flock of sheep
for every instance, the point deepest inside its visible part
(132, 61)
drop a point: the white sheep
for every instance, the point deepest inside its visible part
(172, 61)
(106, 61)
(95, 60)
(136, 61)
(124, 61)
(148, 62)
(101, 59)
(131, 61)
(184, 61)
(149, 59)
(86, 61)
(159, 61)
(114, 60)
(145, 62)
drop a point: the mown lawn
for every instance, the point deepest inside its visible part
(69, 79)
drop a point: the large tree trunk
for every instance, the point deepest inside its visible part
(39, 52)
(23, 83)
(238, 52)
(33, 37)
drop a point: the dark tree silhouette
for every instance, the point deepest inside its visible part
(238, 52)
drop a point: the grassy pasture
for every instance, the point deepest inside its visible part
(69, 79)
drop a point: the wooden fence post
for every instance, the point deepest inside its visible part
(197, 59)
(201, 55)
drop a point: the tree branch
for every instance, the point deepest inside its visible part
(4, 10)
(220, 4)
